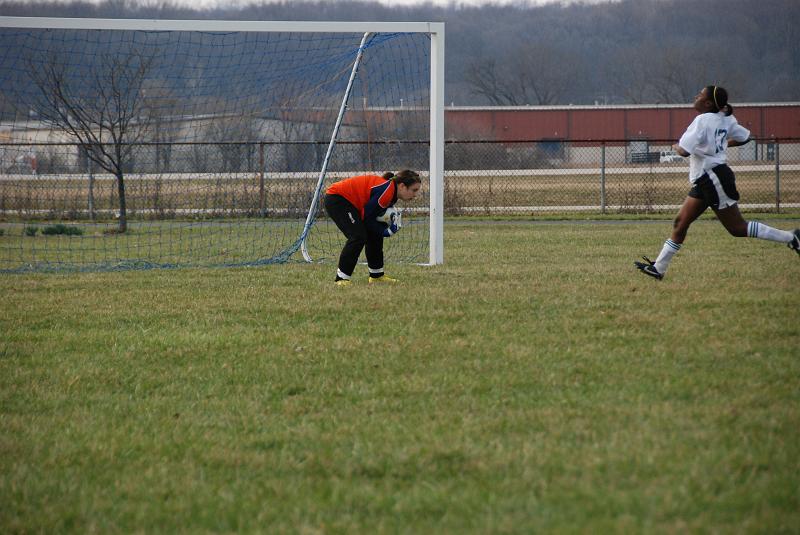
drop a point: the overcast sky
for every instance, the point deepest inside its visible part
(441, 2)
(236, 3)
(399, 2)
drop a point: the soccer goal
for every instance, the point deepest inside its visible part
(141, 143)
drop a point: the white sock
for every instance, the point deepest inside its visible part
(342, 275)
(764, 232)
(666, 254)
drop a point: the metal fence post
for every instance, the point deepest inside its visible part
(91, 186)
(777, 176)
(262, 198)
(603, 177)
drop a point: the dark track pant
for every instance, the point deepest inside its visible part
(349, 221)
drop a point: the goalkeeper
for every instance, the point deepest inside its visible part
(361, 206)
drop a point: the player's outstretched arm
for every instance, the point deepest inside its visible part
(680, 150)
(736, 143)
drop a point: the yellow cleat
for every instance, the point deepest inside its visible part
(384, 279)
(343, 282)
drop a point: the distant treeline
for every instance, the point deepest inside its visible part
(631, 51)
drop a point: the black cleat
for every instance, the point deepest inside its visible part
(794, 245)
(648, 267)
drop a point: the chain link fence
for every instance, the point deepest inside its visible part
(167, 180)
(170, 180)
(524, 178)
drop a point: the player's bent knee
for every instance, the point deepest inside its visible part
(736, 229)
(357, 240)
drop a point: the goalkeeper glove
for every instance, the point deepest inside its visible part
(393, 225)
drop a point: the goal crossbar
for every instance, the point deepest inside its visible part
(434, 28)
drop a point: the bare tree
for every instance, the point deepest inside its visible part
(235, 138)
(486, 79)
(632, 74)
(538, 74)
(679, 75)
(543, 73)
(164, 127)
(102, 106)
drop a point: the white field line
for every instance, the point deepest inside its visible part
(593, 171)
(596, 171)
(597, 207)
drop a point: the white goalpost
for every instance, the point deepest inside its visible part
(224, 136)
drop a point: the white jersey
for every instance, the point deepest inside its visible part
(706, 141)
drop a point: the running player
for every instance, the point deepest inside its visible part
(713, 183)
(353, 204)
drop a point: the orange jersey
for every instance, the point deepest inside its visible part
(359, 190)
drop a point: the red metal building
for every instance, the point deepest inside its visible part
(585, 123)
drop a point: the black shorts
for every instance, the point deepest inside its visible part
(717, 187)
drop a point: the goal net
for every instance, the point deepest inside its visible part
(138, 144)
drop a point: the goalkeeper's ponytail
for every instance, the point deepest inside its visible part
(406, 177)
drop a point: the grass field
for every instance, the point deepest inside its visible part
(534, 382)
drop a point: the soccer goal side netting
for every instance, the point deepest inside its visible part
(139, 143)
